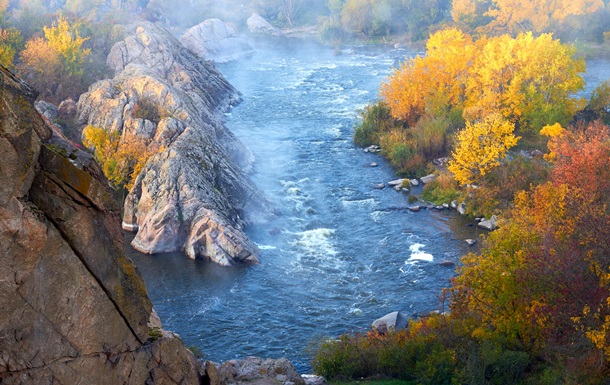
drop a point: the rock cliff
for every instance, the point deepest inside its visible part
(195, 195)
(73, 308)
(215, 40)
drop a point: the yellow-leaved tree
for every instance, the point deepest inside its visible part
(54, 64)
(122, 158)
(515, 16)
(480, 146)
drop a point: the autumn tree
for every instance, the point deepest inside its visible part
(54, 64)
(541, 282)
(357, 16)
(122, 158)
(529, 80)
(514, 16)
(480, 147)
(11, 40)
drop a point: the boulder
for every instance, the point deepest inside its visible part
(414, 182)
(428, 178)
(217, 41)
(461, 208)
(255, 370)
(396, 182)
(194, 195)
(312, 379)
(379, 186)
(471, 242)
(390, 322)
(374, 164)
(74, 308)
(257, 24)
(67, 110)
(489, 224)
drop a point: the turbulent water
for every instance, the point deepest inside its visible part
(340, 253)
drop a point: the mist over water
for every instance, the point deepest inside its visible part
(340, 253)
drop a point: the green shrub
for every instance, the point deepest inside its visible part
(146, 109)
(375, 120)
(443, 189)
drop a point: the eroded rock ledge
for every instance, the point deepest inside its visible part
(74, 310)
(194, 196)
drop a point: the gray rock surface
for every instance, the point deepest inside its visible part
(194, 195)
(74, 308)
(254, 370)
(489, 224)
(214, 40)
(390, 322)
(428, 178)
(257, 24)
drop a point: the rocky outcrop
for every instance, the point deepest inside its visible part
(194, 195)
(254, 370)
(74, 309)
(217, 41)
(257, 24)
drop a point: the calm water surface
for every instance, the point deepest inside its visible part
(340, 253)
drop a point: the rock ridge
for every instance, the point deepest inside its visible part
(195, 195)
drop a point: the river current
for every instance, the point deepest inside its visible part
(340, 253)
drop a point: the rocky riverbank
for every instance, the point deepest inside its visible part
(195, 195)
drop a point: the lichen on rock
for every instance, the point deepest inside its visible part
(74, 308)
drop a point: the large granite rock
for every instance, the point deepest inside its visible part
(255, 370)
(193, 196)
(74, 310)
(258, 24)
(217, 41)
(390, 323)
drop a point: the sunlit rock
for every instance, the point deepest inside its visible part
(194, 195)
(390, 322)
(74, 308)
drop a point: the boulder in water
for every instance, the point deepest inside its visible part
(217, 41)
(258, 24)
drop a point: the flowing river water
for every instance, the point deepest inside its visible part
(340, 252)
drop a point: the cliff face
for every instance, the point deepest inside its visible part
(193, 196)
(73, 309)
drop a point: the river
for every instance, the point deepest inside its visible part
(340, 252)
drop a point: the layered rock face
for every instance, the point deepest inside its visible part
(194, 195)
(73, 308)
(215, 40)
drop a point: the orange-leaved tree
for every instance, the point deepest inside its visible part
(542, 281)
(122, 158)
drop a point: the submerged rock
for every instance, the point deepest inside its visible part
(74, 308)
(194, 195)
(217, 41)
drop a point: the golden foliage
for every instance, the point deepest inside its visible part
(122, 158)
(480, 146)
(68, 44)
(528, 80)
